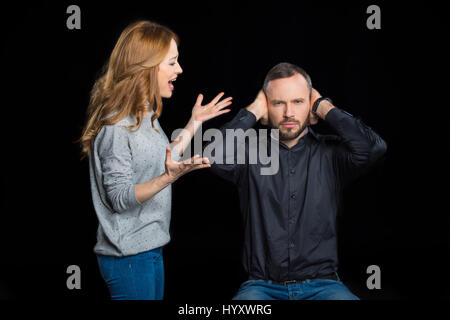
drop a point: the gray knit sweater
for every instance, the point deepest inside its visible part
(118, 161)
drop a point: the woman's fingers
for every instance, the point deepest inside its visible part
(215, 114)
(215, 102)
(196, 160)
(216, 99)
(203, 164)
(218, 113)
(168, 154)
(226, 100)
(199, 160)
(205, 160)
(191, 160)
(200, 166)
(224, 103)
(210, 110)
(199, 100)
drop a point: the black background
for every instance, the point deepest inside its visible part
(395, 79)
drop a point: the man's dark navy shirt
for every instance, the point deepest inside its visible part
(290, 217)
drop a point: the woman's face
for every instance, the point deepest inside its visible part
(169, 69)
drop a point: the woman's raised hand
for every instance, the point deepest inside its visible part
(211, 110)
(175, 169)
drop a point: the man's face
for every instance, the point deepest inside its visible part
(288, 103)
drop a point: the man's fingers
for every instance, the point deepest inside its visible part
(315, 94)
(261, 94)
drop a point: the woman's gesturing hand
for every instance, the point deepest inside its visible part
(175, 169)
(211, 110)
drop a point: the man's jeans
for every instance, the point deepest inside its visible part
(319, 289)
(137, 277)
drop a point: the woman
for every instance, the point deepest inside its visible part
(131, 162)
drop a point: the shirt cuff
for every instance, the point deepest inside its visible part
(135, 201)
(335, 115)
(244, 119)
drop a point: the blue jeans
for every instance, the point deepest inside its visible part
(136, 277)
(319, 289)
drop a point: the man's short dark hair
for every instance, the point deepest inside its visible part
(286, 70)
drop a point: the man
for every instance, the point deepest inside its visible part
(290, 249)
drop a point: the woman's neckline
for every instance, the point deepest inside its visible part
(148, 114)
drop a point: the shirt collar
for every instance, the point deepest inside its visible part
(308, 133)
(276, 138)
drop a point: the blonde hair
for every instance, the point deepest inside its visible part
(129, 80)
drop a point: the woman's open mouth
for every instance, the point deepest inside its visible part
(171, 86)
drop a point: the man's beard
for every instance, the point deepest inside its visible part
(287, 134)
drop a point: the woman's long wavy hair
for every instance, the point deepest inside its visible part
(129, 79)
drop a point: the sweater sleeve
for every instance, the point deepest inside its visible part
(116, 161)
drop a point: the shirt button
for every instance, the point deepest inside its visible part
(291, 245)
(292, 171)
(293, 196)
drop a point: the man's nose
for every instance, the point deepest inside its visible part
(289, 111)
